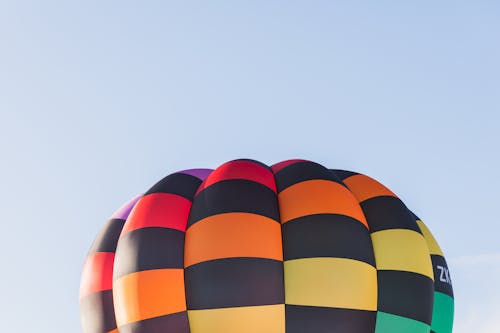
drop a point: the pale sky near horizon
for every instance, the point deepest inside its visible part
(99, 100)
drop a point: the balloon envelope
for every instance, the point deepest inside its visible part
(248, 248)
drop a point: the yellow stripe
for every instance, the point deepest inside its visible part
(402, 250)
(429, 238)
(331, 282)
(246, 319)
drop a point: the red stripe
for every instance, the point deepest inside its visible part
(159, 210)
(240, 170)
(97, 273)
(281, 165)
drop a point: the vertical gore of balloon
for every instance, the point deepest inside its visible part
(247, 248)
(404, 269)
(233, 260)
(148, 275)
(329, 267)
(96, 295)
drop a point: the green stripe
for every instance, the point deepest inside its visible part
(442, 313)
(389, 323)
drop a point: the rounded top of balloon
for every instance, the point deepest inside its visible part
(247, 248)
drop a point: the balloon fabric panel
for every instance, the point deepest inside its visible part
(148, 281)
(96, 296)
(246, 248)
(327, 285)
(243, 278)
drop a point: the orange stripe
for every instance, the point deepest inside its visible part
(113, 331)
(232, 235)
(97, 273)
(364, 187)
(148, 294)
(318, 197)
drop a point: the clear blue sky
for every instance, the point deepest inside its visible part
(99, 99)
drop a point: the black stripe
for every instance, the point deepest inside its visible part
(149, 248)
(406, 294)
(302, 171)
(343, 174)
(177, 183)
(312, 319)
(234, 282)
(97, 312)
(386, 212)
(234, 195)
(107, 238)
(415, 217)
(175, 322)
(442, 280)
(327, 235)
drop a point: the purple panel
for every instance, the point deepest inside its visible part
(198, 173)
(124, 211)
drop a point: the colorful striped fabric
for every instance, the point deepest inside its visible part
(248, 248)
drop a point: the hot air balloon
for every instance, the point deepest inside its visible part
(247, 248)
